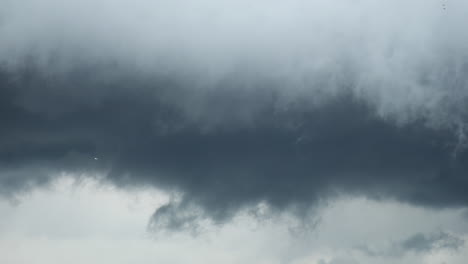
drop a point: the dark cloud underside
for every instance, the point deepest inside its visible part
(282, 154)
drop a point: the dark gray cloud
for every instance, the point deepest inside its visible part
(321, 107)
(293, 155)
(418, 243)
(421, 242)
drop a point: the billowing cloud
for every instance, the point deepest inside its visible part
(236, 103)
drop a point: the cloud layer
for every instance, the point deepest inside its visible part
(236, 103)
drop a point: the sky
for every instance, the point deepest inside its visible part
(203, 131)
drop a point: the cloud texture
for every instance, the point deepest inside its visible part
(232, 103)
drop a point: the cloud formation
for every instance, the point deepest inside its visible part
(236, 103)
(418, 243)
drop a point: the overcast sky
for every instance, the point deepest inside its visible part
(323, 132)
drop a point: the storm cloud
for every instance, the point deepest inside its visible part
(232, 104)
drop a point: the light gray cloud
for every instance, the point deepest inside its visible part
(92, 223)
(338, 261)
